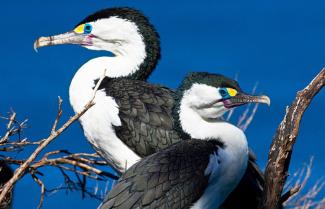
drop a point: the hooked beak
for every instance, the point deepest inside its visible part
(65, 38)
(241, 99)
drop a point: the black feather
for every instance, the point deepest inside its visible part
(173, 178)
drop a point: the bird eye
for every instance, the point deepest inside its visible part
(87, 28)
(223, 92)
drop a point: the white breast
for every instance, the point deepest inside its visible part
(99, 120)
(98, 127)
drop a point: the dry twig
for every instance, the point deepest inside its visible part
(308, 199)
(41, 184)
(21, 170)
(26, 165)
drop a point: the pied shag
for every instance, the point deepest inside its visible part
(129, 35)
(131, 118)
(198, 173)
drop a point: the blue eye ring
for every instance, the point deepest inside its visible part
(224, 93)
(88, 28)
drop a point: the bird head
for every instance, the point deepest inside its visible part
(107, 29)
(121, 31)
(212, 95)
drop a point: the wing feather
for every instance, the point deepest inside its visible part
(170, 179)
(145, 111)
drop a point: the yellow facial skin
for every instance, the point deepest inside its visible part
(232, 92)
(80, 29)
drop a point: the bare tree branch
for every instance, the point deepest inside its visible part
(13, 127)
(58, 116)
(283, 141)
(41, 184)
(19, 172)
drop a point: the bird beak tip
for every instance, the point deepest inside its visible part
(266, 100)
(36, 45)
(35, 48)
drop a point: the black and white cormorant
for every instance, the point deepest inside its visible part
(198, 173)
(131, 118)
(129, 35)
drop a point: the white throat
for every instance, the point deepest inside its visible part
(199, 128)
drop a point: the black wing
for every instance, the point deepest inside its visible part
(170, 179)
(145, 111)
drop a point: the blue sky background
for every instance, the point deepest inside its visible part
(280, 44)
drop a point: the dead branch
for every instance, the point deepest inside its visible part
(43, 143)
(21, 170)
(282, 144)
(58, 116)
(41, 184)
(81, 160)
(13, 127)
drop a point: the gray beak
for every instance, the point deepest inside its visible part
(241, 99)
(65, 38)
